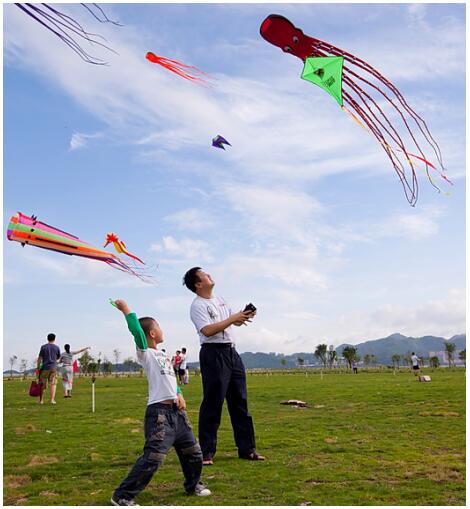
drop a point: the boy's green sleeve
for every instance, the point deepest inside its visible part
(136, 330)
(178, 390)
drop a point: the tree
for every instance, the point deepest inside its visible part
(128, 363)
(450, 350)
(117, 355)
(300, 361)
(12, 361)
(332, 356)
(85, 361)
(107, 366)
(321, 353)
(434, 361)
(463, 356)
(350, 354)
(23, 367)
(395, 359)
(367, 359)
(373, 359)
(92, 367)
(284, 362)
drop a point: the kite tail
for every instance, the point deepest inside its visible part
(188, 72)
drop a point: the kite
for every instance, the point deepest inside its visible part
(119, 246)
(353, 83)
(185, 71)
(67, 29)
(28, 230)
(219, 142)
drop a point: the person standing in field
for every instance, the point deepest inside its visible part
(222, 370)
(166, 422)
(47, 367)
(67, 369)
(182, 367)
(176, 361)
(415, 363)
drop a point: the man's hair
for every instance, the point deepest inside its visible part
(51, 337)
(412, 353)
(67, 348)
(146, 323)
(191, 278)
(183, 349)
(178, 351)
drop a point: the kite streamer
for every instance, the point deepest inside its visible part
(29, 231)
(355, 83)
(187, 72)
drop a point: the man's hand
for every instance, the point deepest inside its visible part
(122, 306)
(180, 402)
(242, 317)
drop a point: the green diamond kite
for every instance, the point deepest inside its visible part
(327, 73)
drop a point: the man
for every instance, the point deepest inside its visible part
(47, 366)
(176, 361)
(415, 363)
(222, 370)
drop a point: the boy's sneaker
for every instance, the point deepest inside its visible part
(200, 491)
(115, 500)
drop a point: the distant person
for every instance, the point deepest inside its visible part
(47, 366)
(354, 366)
(176, 361)
(222, 370)
(67, 369)
(182, 366)
(415, 363)
(166, 423)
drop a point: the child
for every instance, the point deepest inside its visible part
(166, 423)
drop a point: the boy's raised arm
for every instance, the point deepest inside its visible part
(133, 324)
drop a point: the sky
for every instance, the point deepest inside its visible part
(302, 216)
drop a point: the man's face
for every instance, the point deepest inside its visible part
(205, 280)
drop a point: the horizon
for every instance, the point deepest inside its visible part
(302, 215)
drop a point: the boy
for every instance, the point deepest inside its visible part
(166, 423)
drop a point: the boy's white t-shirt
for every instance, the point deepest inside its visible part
(183, 361)
(157, 365)
(160, 374)
(415, 360)
(207, 312)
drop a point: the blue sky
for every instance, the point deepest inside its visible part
(303, 215)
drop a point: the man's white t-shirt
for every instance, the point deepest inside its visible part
(207, 312)
(415, 360)
(183, 361)
(160, 374)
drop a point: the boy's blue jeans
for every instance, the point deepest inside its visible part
(165, 426)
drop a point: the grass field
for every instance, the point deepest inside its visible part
(366, 439)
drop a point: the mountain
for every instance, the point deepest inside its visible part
(383, 349)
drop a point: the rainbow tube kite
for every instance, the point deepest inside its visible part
(28, 230)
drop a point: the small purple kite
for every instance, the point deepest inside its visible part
(219, 142)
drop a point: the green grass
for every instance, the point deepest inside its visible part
(367, 439)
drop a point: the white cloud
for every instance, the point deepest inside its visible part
(80, 140)
(184, 249)
(193, 220)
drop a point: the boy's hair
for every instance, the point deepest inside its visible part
(146, 323)
(67, 348)
(412, 353)
(183, 350)
(191, 278)
(51, 337)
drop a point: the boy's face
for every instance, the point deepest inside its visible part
(156, 333)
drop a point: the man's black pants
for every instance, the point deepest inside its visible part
(223, 377)
(165, 426)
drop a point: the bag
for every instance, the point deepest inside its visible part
(35, 389)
